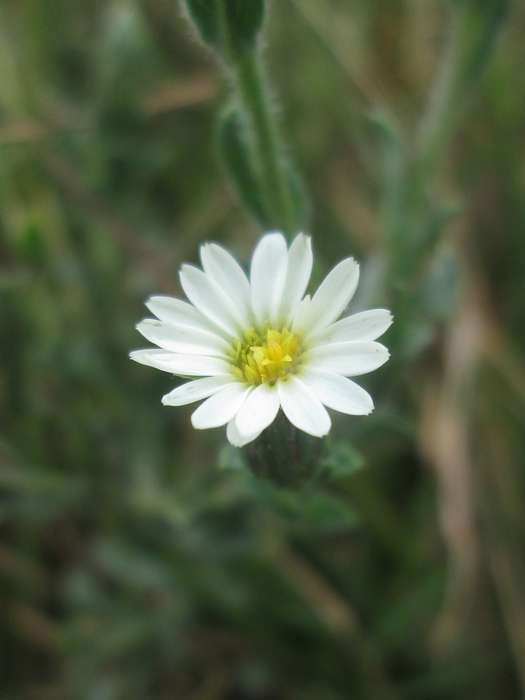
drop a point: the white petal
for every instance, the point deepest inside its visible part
(303, 408)
(350, 359)
(258, 411)
(221, 407)
(222, 268)
(302, 314)
(180, 313)
(331, 299)
(234, 437)
(183, 365)
(182, 339)
(268, 276)
(210, 299)
(367, 325)
(300, 260)
(197, 390)
(338, 392)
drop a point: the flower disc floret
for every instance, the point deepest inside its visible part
(263, 358)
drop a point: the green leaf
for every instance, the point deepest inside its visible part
(33, 244)
(230, 459)
(481, 22)
(309, 507)
(342, 461)
(440, 288)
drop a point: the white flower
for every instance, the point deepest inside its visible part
(259, 345)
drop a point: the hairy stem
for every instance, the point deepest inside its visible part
(255, 102)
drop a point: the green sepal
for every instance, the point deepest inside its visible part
(204, 15)
(237, 156)
(245, 19)
(284, 456)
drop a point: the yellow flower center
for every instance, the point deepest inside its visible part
(266, 357)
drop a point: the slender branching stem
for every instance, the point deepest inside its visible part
(270, 164)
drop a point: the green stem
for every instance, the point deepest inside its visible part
(408, 215)
(275, 186)
(445, 104)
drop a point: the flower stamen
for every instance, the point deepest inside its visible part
(266, 357)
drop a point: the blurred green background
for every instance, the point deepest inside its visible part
(136, 561)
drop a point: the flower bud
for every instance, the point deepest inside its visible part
(243, 21)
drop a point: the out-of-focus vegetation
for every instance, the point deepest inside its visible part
(134, 563)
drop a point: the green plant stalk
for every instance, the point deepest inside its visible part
(276, 188)
(445, 104)
(473, 28)
(442, 117)
(250, 83)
